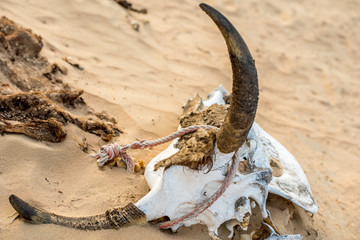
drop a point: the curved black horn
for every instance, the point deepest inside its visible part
(115, 218)
(245, 91)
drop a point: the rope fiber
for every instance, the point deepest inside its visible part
(112, 151)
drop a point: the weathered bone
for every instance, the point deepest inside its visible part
(170, 194)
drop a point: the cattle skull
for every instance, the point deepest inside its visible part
(177, 190)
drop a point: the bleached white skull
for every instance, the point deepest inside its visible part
(178, 191)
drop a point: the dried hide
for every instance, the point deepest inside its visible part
(252, 184)
(32, 90)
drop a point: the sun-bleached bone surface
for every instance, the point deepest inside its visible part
(244, 165)
(177, 190)
(292, 184)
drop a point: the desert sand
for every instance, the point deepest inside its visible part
(306, 54)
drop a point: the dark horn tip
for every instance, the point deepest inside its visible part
(203, 5)
(234, 41)
(209, 9)
(214, 14)
(25, 210)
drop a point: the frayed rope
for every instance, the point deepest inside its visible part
(112, 151)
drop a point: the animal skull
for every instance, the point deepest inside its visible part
(176, 190)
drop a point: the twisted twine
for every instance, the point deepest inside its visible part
(112, 151)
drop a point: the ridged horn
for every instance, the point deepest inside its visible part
(111, 219)
(245, 91)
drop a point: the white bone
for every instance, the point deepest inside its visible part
(177, 190)
(275, 236)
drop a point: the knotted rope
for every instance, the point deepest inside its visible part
(112, 151)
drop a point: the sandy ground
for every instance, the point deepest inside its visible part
(306, 53)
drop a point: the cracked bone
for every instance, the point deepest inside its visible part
(177, 190)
